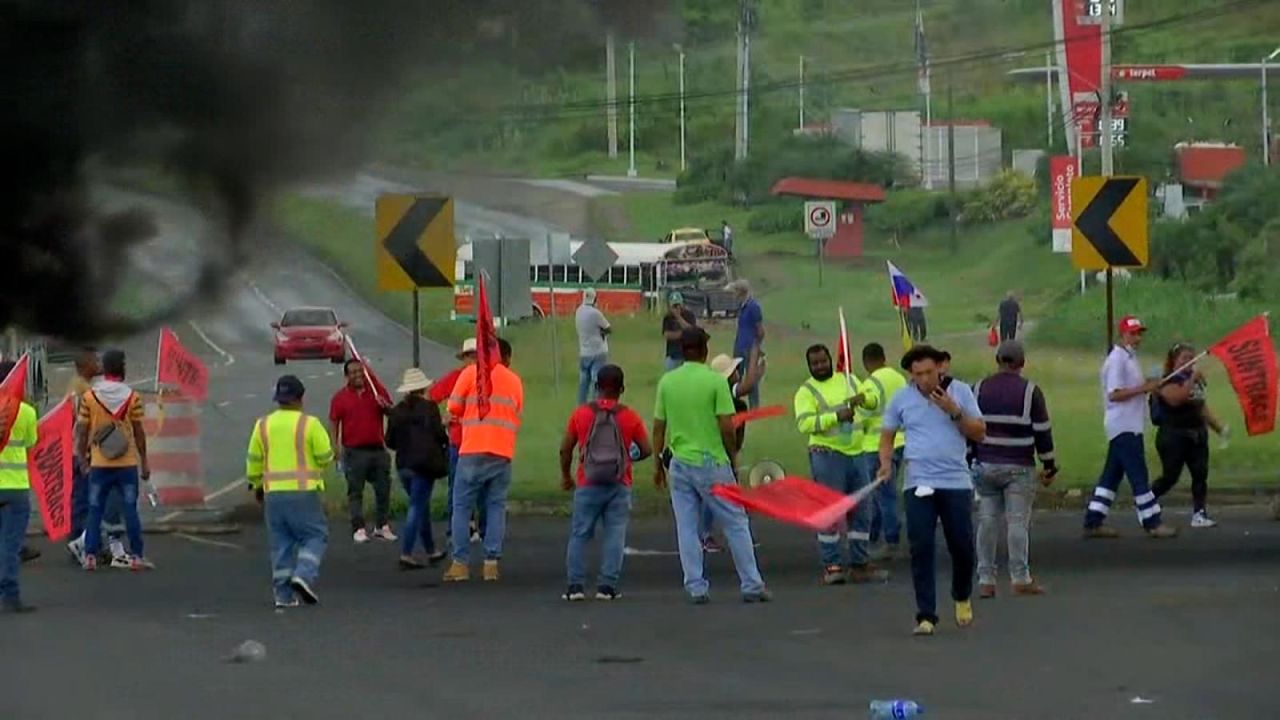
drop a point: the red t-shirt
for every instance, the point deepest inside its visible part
(360, 415)
(440, 391)
(630, 425)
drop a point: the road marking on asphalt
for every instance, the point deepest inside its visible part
(253, 287)
(207, 498)
(250, 396)
(638, 552)
(224, 403)
(227, 358)
(207, 541)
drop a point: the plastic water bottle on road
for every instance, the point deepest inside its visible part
(894, 709)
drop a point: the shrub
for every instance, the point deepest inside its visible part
(779, 217)
(1010, 195)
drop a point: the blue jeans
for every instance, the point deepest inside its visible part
(417, 522)
(15, 511)
(448, 504)
(298, 533)
(588, 369)
(884, 511)
(954, 509)
(485, 479)
(1125, 456)
(845, 474)
(102, 480)
(610, 507)
(690, 493)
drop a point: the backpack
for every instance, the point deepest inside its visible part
(111, 439)
(604, 458)
(1156, 407)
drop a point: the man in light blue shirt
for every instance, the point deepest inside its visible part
(938, 423)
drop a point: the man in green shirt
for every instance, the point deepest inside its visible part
(694, 439)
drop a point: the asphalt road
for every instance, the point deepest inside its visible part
(234, 335)
(1132, 628)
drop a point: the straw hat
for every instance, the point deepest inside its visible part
(468, 346)
(413, 381)
(725, 365)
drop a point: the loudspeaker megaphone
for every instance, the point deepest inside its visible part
(764, 472)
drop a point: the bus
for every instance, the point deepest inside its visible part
(641, 278)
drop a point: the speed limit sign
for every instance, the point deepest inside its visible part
(820, 218)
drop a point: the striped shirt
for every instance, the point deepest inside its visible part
(1017, 418)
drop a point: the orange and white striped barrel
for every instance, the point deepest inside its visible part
(173, 449)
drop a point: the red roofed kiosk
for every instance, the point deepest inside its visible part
(847, 242)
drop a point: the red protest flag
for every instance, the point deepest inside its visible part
(487, 355)
(795, 500)
(768, 411)
(49, 467)
(844, 359)
(176, 365)
(1250, 359)
(370, 377)
(12, 391)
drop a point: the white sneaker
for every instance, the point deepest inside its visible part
(122, 562)
(117, 549)
(76, 548)
(1201, 519)
(361, 536)
(384, 533)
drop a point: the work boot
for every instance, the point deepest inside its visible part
(1101, 532)
(964, 613)
(457, 572)
(1161, 532)
(863, 574)
(491, 573)
(1030, 587)
(28, 554)
(834, 575)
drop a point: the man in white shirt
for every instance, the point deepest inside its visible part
(1124, 399)
(593, 344)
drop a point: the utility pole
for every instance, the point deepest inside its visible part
(1048, 96)
(801, 93)
(951, 162)
(611, 93)
(1108, 151)
(742, 129)
(1266, 117)
(631, 167)
(682, 154)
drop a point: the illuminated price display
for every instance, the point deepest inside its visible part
(1090, 11)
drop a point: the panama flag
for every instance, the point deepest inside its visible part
(905, 294)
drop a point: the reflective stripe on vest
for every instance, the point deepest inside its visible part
(301, 477)
(823, 409)
(1023, 419)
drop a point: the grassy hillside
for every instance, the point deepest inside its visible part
(858, 54)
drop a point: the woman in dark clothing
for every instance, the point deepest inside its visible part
(1182, 437)
(416, 433)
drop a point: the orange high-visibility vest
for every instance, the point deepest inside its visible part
(495, 434)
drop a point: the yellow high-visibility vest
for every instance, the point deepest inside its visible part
(13, 458)
(816, 403)
(288, 452)
(883, 384)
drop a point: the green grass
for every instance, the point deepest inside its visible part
(963, 288)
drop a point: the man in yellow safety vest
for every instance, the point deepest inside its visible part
(15, 492)
(883, 383)
(288, 454)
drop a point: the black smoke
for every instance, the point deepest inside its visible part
(231, 98)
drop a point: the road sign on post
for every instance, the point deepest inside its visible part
(596, 258)
(1109, 222)
(820, 218)
(506, 262)
(415, 247)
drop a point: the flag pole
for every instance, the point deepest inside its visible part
(1184, 366)
(844, 349)
(159, 346)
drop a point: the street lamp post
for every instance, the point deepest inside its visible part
(1266, 120)
(680, 50)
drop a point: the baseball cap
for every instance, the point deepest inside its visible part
(468, 346)
(1011, 352)
(1130, 324)
(288, 389)
(675, 298)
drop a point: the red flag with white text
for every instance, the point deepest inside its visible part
(12, 392)
(176, 365)
(49, 467)
(1250, 359)
(370, 377)
(487, 355)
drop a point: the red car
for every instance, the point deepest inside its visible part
(311, 333)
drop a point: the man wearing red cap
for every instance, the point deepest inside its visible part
(1124, 398)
